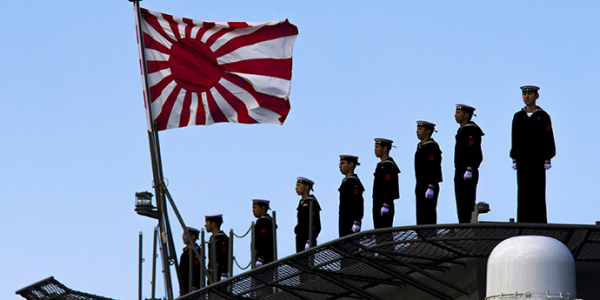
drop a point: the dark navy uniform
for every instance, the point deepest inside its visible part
(351, 204)
(220, 244)
(385, 191)
(428, 173)
(263, 239)
(302, 228)
(467, 156)
(184, 264)
(532, 147)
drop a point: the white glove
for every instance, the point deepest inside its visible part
(258, 263)
(429, 193)
(547, 166)
(468, 175)
(514, 166)
(384, 210)
(223, 278)
(306, 246)
(355, 228)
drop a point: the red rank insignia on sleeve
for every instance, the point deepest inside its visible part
(471, 142)
(549, 128)
(355, 192)
(431, 157)
(388, 176)
(263, 230)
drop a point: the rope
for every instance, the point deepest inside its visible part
(245, 234)
(238, 265)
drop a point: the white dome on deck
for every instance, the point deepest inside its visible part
(532, 267)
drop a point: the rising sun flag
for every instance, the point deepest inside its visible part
(200, 73)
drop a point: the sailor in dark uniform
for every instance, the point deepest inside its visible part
(467, 158)
(428, 172)
(263, 232)
(218, 248)
(184, 262)
(532, 149)
(302, 230)
(385, 185)
(351, 197)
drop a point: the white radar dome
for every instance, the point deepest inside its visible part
(531, 267)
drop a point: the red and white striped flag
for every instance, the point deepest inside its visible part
(200, 73)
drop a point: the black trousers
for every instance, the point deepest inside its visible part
(531, 192)
(384, 221)
(345, 226)
(301, 242)
(466, 192)
(426, 208)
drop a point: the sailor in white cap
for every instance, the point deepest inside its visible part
(532, 149)
(428, 173)
(385, 185)
(302, 229)
(263, 232)
(351, 197)
(467, 158)
(218, 246)
(184, 262)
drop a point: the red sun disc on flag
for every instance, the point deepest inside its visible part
(194, 66)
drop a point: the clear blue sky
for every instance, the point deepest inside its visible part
(75, 150)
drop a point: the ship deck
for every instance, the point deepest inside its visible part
(446, 261)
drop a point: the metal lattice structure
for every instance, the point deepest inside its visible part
(356, 266)
(51, 289)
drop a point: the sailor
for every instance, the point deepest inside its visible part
(428, 173)
(218, 248)
(263, 232)
(385, 185)
(467, 158)
(302, 229)
(184, 262)
(532, 149)
(351, 197)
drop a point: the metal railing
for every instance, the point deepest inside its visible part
(351, 266)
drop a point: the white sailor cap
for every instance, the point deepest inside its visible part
(193, 230)
(530, 88)
(383, 142)
(421, 123)
(261, 201)
(350, 158)
(465, 107)
(214, 217)
(306, 181)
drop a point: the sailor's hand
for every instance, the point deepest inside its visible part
(384, 210)
(355, 228)
(429, 193)
(468, 175)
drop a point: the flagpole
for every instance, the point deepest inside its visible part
(163, 221)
